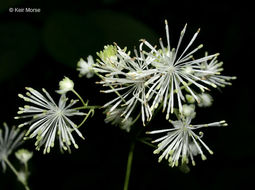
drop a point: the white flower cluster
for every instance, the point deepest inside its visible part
(182, 142)
(49, 120)
(166, 78)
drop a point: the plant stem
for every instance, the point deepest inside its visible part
(82, 101)
(87, 107)
(16, 173)
(12, 167)
(147, 143)
(85, 118)
(129, 165)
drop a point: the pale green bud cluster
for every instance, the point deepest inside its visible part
(109, 54)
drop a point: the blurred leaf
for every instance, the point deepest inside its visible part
(68, 36)
(122, 28)
(18, 45)
(6, 4)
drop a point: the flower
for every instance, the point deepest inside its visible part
(213, 72)
(190, 99)
(49, 120)
(65, 85)
(205, 100)
(23, 155)
(128, 78)
(111, 59)
(182, 142)
(86, 68)
(189, 110)
(114, 117)
(175, 69)
(126, 125)
(10, 139)
(108, 55)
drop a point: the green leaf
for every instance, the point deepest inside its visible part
(69, 36)
(121, 28)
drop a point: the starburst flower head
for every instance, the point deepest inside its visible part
(176, 69)
(49, 120)
(65, 85)
(181, 142)
(10, 139)
(86, 68)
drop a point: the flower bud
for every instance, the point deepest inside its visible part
(205, 100)
(65, 85)
(189, 110)
(23, 155)
(190, 99)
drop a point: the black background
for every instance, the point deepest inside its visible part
(38, 49)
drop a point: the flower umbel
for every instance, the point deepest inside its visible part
(10, 139)
(181, 142)
(49, 120)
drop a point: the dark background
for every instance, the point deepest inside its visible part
(38, 49)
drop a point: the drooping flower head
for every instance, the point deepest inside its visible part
(181, 142)
(10, 139)
(114, 117)
(49, 120)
